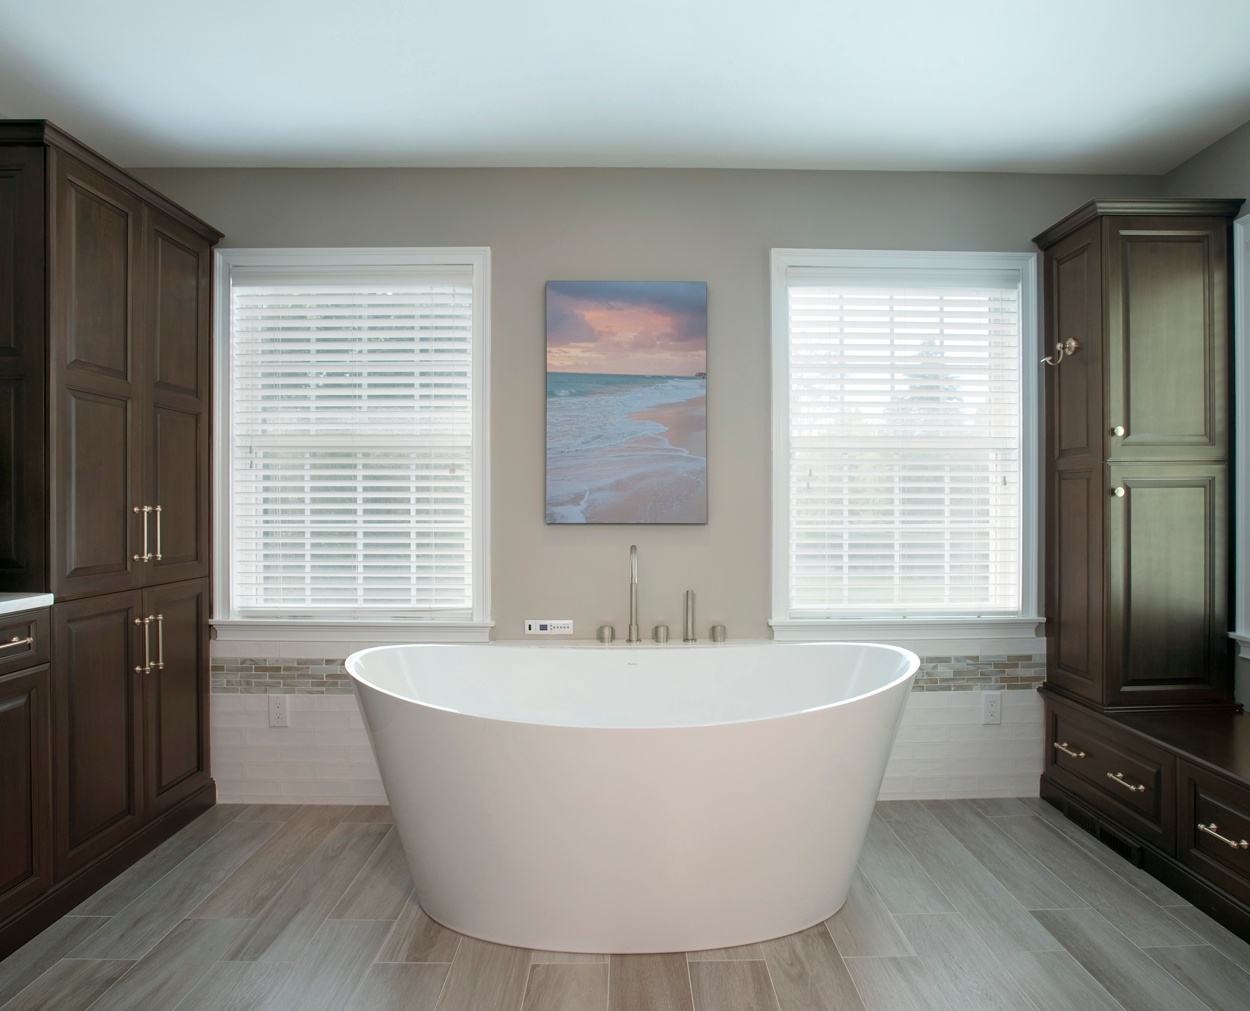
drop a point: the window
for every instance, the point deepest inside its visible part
(903, 484)
(352, 406)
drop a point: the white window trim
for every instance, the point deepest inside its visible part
(1241, 401)
(957, 634)
(227, 625)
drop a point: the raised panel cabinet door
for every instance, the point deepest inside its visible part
(178, 343)
(1167, 584)
(1168, 338)
(97, 729)
(23, 452)
(1074, 531)
(25, 789)
(97, 415)
(176, 693)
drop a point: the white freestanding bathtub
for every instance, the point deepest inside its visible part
(632, 798)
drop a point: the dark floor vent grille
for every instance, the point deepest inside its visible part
(1113, 840)
(1075, 814)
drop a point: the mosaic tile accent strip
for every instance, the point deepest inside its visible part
(261, 676)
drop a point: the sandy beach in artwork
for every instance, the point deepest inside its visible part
(614, 458)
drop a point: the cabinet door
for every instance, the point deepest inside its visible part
(25, 789)
(96, 380)
(1168, 338)
(1167, 584)
(23, 521)
(1074, 532)
(176, 693)
(177, 344)
(98, 758)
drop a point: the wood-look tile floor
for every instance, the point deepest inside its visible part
(957, 905)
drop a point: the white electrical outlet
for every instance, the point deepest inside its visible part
(278, 711)
(991, 707)
(548, 626)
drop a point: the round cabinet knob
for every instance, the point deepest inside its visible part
(1118, 431)
(1119, 492)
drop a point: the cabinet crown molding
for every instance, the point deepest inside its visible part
(1135, 206)
(42, 131)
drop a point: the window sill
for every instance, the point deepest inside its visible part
(359, 634)
(964, 636)
(1243, 643)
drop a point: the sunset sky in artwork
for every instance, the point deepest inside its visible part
(627, 327)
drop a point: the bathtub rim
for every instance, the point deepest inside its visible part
(359, 682)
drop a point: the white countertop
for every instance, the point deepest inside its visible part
(11, 603)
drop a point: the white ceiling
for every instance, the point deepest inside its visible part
(1056, 85)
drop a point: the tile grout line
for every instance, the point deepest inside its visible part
(851, 975)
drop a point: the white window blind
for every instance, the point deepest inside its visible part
(905, 437)
(351, 457)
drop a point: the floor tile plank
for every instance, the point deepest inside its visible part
(1055, 981)
(649, 983)
(1201, 969)
(567, 986)
(44, 950)
(145, 872)
(138, 927)
(742, 951)
(236, 986)
(864, 926)
(381, 888)
(961, 965)
(331, 966)
(902, 883)
(1123, 969)
(485, 975)
(169, 972)
(1154, 889)
(290, 921)
(1142, 921)
(414, 986)
(567, 958)
(895, 984)
(808, 974)
(72, 984)
(254, 883)
(739, 985)
(995, 806)
(1033, 886)
(992, 911)
(1219, 937)
(417, 938)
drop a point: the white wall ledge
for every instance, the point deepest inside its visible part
(963, 636)
(233, 637)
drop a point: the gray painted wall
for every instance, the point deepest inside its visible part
(716, 226)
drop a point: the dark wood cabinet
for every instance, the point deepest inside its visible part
(175, 697)
(1137, 483)
(1145, 746)
(25, 789)
(98, 761)
(23, 517)
(105, 394)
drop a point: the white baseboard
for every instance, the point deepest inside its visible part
(943, 750)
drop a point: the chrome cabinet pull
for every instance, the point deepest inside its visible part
(15, 642)
(146, 666)
(1237, 844)
(160, 640)
(1063, 746)
(147, 555)
(157, 510)
(1064, 349)
(1119, 492)
(1118, 777)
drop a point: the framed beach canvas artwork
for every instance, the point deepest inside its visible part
(626, 407)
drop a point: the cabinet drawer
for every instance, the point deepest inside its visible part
(23, 640)
(1130, 780)
(1214, 829)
